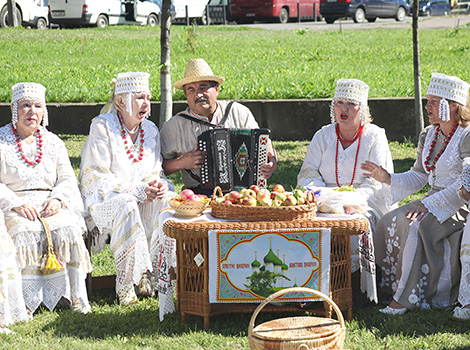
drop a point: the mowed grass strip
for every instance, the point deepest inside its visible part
(77, 65)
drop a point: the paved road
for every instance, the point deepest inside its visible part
(424, 23)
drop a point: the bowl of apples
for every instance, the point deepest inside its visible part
(261, 204)
(188, 204)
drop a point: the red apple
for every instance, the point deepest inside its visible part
(273, 194)
(279, 188)
(186, 193)
(249, 193)
(234, 196)
(263, 193)
(290, 201)
(194, 198)
(255, 188)
(248, 201)
(276, 203)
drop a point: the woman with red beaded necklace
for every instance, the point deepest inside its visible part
(333, 160)
(123, 185)
(417, 245)
(38, 189)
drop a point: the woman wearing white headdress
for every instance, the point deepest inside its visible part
(12, 307)
(42, 205)
(418, 244)
(333, 160)
(122, 182)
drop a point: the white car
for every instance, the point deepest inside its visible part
(32, 13)
(101, 13)
(196, 10)
(461, 8)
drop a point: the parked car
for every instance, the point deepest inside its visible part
(461, 8)
(196, 10)
(216, 10)
(362, 10)
(69, 13)
(432, 8)
(172, 7)
(28, 13)
(247, 11)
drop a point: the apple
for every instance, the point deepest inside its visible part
(276, 203)
(193, 198)
(279, 188)
(227, 202)
(220, 200)
(298, 193)
(263, 193)
(248, 201)
(290, 201)
(186, 193)
(233, 196)
(255, 188)
(281, 197)
(242, 192)
(266, 202)
(274, 194)
(249, 193)
(301, 200)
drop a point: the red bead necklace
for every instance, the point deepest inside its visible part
(131, 155)
(430, 167)
(39, 152)
(357, 136)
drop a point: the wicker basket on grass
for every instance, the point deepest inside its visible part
(297, 333)
(262, 213)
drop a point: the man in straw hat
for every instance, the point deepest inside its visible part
(179, 134)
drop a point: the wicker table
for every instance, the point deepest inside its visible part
(193, 280)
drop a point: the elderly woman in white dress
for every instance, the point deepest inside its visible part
(418, 244)
(333, 160)
(12, 307)
(123, 185)
(42, 205)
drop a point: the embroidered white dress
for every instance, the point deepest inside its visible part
(420, 259)
(464, 289)
(319, 170)
(52, 178)
(12, 307)
(112, 187)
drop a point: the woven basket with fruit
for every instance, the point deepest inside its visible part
(255, 204)
(188, 204)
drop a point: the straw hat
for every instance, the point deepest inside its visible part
(197, 70)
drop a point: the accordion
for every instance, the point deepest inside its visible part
(234, 158)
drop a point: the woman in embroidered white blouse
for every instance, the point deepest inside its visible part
(418, 244)
(333, 160)
(123, 185)
(38, 187)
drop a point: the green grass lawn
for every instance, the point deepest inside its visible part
(111, 326)
(77, 65)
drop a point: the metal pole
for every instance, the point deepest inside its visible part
(315, 12)
(207, 15)
(225, 15)
(187, 15)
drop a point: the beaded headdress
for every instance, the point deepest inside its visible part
(351, 90)
(448, 88)
(30, 91)
(131, 82)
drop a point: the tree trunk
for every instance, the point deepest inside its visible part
(12, 20)
(417, 73)
(166, 102)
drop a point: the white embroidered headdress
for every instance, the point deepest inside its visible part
(28, 91)
(448, 88)
(131, 82)
(351, 90)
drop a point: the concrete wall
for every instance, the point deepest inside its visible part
(287, 119)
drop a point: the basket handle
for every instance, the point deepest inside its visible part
(214, 194)
(292, 290)
(311, 195)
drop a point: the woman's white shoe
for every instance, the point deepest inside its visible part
(391, 311)
(460, 314)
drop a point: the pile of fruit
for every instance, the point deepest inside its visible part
(254, 196)
(188, 196)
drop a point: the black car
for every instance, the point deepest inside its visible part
(362, 10)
